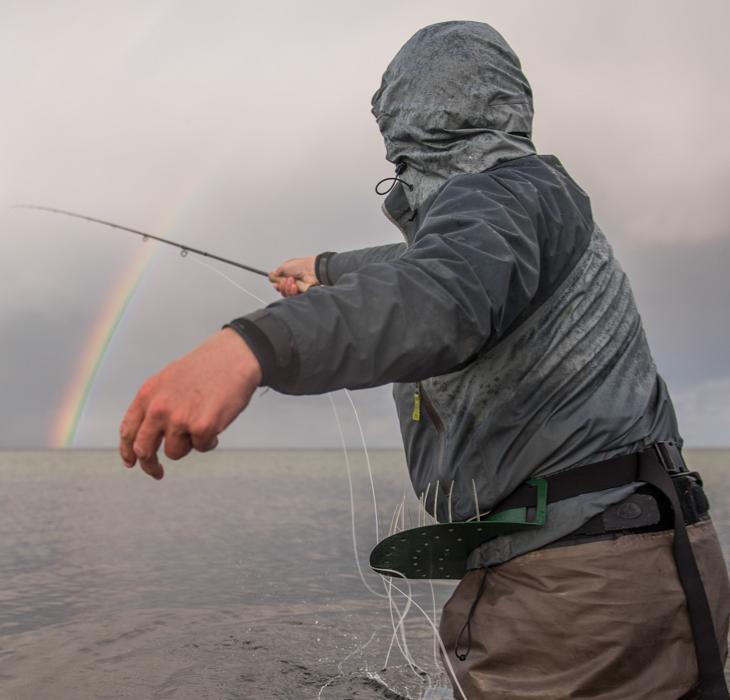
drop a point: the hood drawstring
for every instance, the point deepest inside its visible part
(399, 168)
(467, 625)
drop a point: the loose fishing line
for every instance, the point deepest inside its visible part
(348, 470)
(435, 630)
(398, 635)
(398, 628)
(341, 673)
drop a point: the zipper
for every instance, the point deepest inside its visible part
(416, 413)
(420, 399)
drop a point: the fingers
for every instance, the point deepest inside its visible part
(286, 286)
(152, 466)
(177, 443)
(294, 276)
(205, 444)
(142, 433)
(128, 431)
(301, 268)
(290, 287)
(289, 268)
(190, 402)
(147, 443)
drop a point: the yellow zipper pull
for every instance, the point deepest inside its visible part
(416, 415)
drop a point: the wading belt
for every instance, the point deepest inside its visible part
(441, 550)
(656, 465)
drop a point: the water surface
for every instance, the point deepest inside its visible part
(234, 577)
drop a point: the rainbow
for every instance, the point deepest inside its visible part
(111, 313)
(108, 319)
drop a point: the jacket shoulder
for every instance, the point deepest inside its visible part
(535, 193)
(536, 183)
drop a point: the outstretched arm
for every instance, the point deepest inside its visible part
(472, 269)
(192, 400)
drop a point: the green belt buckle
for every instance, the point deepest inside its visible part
(520, 515)
(441, 550)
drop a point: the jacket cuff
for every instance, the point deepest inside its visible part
(271, 341)
(321, 268)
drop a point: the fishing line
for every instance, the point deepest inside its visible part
(341, 673)
(352, 497)
(395, 522)
(444, 653)
(399, 627)
(370, 477)
(357, 650)
(348, 469)
(228, 279)
(391, 527)
(367, 462)
(400, 639)
(402, 644)
(184, 251)
(433, 608)
(425, 501)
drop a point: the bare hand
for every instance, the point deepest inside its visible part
(190, 402)
(294, 276)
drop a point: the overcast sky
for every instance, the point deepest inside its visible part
(245, 128)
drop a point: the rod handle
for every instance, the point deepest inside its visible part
(302, 286)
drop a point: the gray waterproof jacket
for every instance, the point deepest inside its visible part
(504, 321)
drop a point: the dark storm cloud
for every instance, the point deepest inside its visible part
(683, 291)
(29, 375)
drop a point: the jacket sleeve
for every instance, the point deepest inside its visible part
(331, 266)
(472, 268)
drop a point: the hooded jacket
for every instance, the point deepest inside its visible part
(504, 321)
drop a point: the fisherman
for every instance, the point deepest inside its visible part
(516, 351)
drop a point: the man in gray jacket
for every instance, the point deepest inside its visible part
(516, 351)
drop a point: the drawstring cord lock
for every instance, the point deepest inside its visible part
(467, 625)
(399, 168)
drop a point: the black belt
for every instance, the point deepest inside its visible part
(655, 465)
(640, 512)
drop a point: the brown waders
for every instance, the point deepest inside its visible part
(617, 617)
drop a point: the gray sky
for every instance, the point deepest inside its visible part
(247, 129)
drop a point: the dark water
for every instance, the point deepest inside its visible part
(234, 577)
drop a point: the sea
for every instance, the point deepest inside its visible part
(236, 576)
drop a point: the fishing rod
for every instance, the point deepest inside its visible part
(303, 286)
(184, 249)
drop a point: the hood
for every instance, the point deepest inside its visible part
(453, 100)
